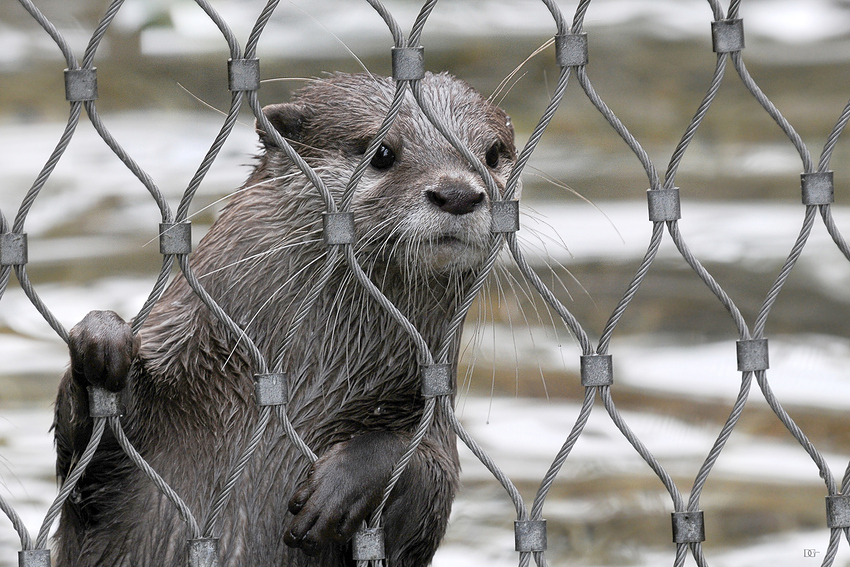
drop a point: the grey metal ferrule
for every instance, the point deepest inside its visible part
(688, 527)
(838, 511)
(175, 238)
(338, 228)
(597, 370)
(34, 558)
(571, 49)
(664, 204)
(103, 403)
(13, 249)
(203, 552)
(271, 389)
(368, 545)
(727, 36)
(243, 74)
(504, 216)
(818, 188)
(408, 63)
(752, 355)
(436, 380)
(80, 84)
(530, 535)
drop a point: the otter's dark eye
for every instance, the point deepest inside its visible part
(384, 158)
(492, 156)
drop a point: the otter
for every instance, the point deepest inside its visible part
(422, 221)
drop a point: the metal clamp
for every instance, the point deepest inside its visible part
(34, 558)
(243, 74)
(838, 511)
(175, 238)
(203, 552)
(688, 527)
(408, 63)
(13, 249)
(727, 36)
(103, 403)
(597, 370)
(818, 188)
(368, 545)
(436, 380)
(664, 204)
(530, 535)
(80, 84)
(571, 49)
(338, 228)
(504, 216)
(752, 355)
(271, 389)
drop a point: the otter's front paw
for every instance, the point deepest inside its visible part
(102, 348)
(344, 486)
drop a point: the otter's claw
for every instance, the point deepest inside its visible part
(102, 348)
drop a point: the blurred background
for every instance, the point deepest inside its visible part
(162, 86)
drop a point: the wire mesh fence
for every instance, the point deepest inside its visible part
(436, 358)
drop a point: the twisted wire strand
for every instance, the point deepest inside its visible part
(774, 113)
(619, 127)
(235, 330)
(634, 285)
(773, 402)
(537, 133)
(578, 18)
(832, 548)
(47, 170)
(223, 27)
(478, 451)
(55, 34)
(99, 32)
(159, 482)
(642, 450)
(41, 307)
(293, 435)
(17, 523)
(425, 356)
(332, 261)
(129, 162)
(401, 464)
(829, 146)
(454, 328)
(210, 157)
(547, 294)
(785, 272)
(236, 471)
(392, 24)
(720, 442)
(70, 482)
(690, 132)
(451, 137)
(566, 448)
(372, 147)
(708, 280)
(832, 229)
(156, 292)
(413, 40)
(280, 141)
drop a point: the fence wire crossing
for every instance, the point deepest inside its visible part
(596, 362)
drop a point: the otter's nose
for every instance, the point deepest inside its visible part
(455, 197)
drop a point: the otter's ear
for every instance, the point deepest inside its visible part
(287, 118)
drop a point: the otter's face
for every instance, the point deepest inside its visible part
(420, 205)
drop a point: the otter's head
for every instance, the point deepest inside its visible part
(420, 205)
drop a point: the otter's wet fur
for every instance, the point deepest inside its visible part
(423, 228)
